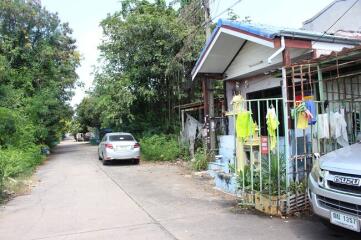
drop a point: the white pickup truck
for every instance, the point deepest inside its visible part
(334, 187)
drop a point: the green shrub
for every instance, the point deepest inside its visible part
(201, 160)
(270, 179)
(15, 129)
(18, 152)
(160, 148)
(14, 161)
(184, 152)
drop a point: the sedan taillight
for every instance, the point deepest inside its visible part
(137, 145)
(109, 145)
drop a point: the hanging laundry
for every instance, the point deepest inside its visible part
(244, 125)
(338, 127)
(237, 103)
(310, 105)
(272, 124)
(300, 107)
(323, 130)
(302, 120)
(303, 114)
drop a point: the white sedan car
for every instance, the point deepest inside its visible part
(119, 146)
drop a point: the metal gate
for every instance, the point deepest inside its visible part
(262, 155)
(272, 168)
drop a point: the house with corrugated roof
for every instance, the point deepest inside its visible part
(249, 57)
(270, 108)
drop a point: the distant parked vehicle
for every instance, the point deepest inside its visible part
(87, 136)
(79, 137)
(119, 146)
(104, 131)
(335, 187)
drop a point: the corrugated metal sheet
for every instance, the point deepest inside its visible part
(269, 31)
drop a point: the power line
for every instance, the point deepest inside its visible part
(227, 9)
(218, 15)
(217, 8)
(336, 21)
(196, 7)
(197, 28)
(207, 17)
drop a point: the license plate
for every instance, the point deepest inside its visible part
(121, 148)
(345, 220)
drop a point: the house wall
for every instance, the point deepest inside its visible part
(351, 21)
(324, 48)
(253, 57)
(258, 84)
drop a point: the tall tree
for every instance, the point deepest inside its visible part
(38, 59)
(148, 52)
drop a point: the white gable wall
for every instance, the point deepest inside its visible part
(244, 87)
(220, 53)
(253, 57)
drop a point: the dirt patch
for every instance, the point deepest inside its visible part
(206, 183)
(203, 180)
(19, 186)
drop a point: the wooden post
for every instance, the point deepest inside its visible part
(320, 83)
(212, 123)
(211, 140)
(182, 113)
(206, 111)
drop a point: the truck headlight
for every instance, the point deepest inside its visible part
(317, 173)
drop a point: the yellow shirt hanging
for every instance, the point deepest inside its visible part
(272, 124)
(244, 125)
(302, 120)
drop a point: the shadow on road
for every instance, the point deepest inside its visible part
(115, 163)
(68, 147)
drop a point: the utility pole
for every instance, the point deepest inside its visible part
(209, 96)
(207, 17)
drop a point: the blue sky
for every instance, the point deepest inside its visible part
(84, 17)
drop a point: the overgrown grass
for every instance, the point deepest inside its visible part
(19, 152)
(15, 162)
(161, 148)
(200, 160)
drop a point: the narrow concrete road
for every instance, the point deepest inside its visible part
(78, 198)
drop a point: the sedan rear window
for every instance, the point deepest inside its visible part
(119, 138)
